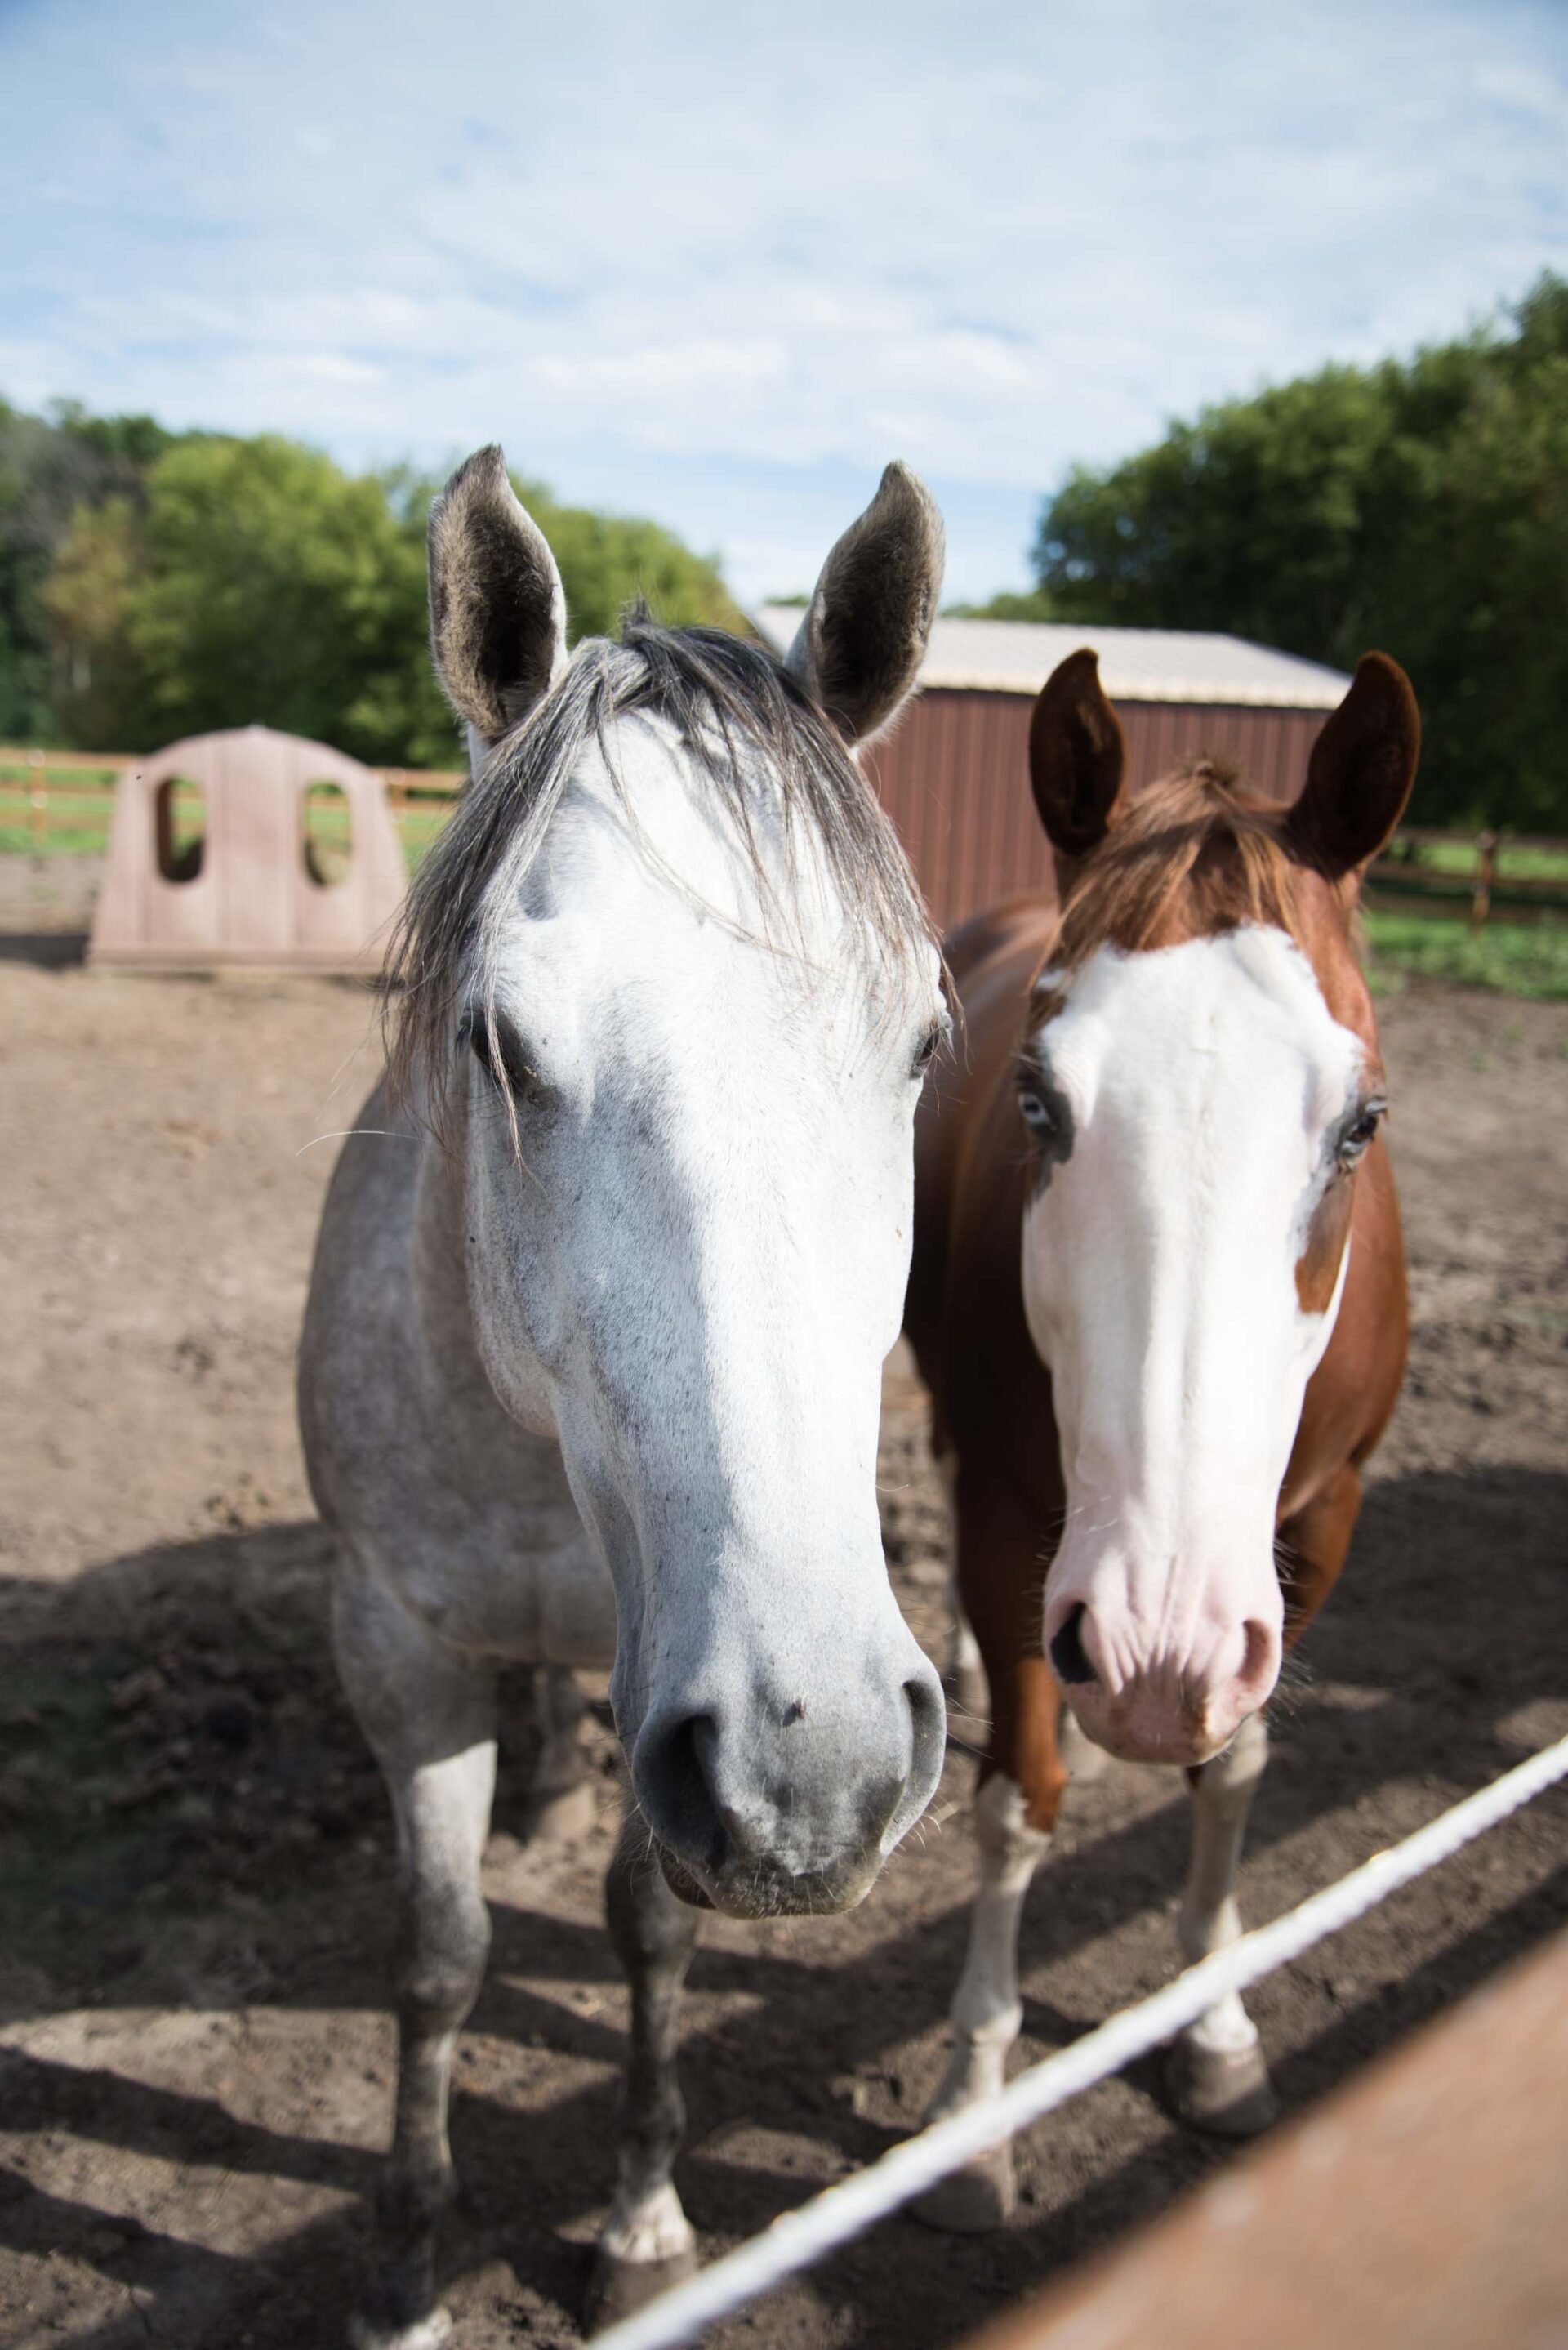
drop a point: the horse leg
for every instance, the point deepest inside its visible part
(561, 1802)
(1014, 1815)
(1082, 1761)
(647, 2243)
(963, 1676)
(430, 1719)
(1215, 2072)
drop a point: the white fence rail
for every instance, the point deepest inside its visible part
(801, 2238)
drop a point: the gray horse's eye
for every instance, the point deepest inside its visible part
(1035, 1111)
(474, 1030)
(499, 1050)
(926, 1051)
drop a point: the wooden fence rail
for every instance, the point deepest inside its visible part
(50, 796)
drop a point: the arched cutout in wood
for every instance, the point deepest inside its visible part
(179, 828)
(326, 832)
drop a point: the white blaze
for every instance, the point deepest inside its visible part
(1205, 1084)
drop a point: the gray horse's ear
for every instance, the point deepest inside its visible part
(1361, 770)
(498, 611)
(859, 647)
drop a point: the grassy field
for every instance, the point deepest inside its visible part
(84, 812)
(1458, 858)
(79, 817)
(1511, 957)
(1405, 941)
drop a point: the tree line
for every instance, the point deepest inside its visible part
(155, 584)
(1420, 506)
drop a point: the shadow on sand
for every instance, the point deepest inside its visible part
(199, 1671)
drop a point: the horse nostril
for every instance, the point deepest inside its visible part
(929, 1716)
(1068, 1655)
(1260, 1660)
(675, 1791)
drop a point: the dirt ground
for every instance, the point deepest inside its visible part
(195, 1894)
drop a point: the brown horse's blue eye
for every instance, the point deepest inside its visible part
(1361, 1132)
(1036, 1113)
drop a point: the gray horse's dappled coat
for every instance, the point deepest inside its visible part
(591, 1364)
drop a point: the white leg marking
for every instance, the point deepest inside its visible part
(1209, 1918)
(963, 1657)
(987, 2013)
(964, 1679)
(1083, 1760)
(646, 2227)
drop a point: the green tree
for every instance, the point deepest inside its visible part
(1010, 604)
(1419, 505)
(609, 561)
(253, 581)
(97, 697)
(268, 592)
(50, 467)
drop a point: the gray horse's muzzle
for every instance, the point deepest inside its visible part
(762, 1811)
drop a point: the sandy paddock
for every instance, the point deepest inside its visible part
(194, 1891)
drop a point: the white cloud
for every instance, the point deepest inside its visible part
(668, 254)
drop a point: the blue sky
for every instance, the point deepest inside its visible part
(717, 264)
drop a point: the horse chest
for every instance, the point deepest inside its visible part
(517, 1578)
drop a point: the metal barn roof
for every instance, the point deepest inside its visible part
(1136, 664)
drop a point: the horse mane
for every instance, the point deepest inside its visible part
(1193, 856)
(739, 714)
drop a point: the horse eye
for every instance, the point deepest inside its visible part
(486, 1035)
(1354, 1142)
(926, 1051)
(474, 1030)
(1035, 1112)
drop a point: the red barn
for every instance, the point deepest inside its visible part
(954, 773)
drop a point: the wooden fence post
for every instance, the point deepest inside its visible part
(1486, 873)
(38, 805)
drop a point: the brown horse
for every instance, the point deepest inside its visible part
(1158, 1297)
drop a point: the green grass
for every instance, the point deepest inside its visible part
(17, 837)
(327, 823)
(1457, 859)
(10, 772)
(1511, 957)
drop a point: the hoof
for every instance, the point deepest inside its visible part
(981, 2196)
(560, 1817)
(1227, 2091)
(619, 2289)
(428, 2333)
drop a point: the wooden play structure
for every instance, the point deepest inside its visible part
(248, 848)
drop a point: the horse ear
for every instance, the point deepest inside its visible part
(859, 647)
(1077, 756)
(1361, 770)
(498, 612)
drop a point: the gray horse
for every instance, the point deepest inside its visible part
(590, 1370)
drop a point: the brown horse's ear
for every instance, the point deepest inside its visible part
(1077, 756)
(1362, 768)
